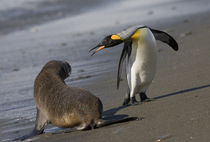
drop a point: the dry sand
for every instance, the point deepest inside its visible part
(181, 88)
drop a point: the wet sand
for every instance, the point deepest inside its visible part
(180, 112)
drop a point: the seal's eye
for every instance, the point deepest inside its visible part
(63, 71)
(68, 67)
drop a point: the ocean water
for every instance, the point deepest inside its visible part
(15, 8)
(13, 4)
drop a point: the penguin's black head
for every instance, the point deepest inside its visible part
(109, 41)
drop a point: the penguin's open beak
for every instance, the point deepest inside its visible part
(109, 41)
(100, 47)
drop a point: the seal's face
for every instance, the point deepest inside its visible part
(65, 69)
(62, 68)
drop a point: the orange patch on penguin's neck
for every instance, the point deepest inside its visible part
(136, 35)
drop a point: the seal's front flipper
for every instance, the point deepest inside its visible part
(40, 124)
(32, 134)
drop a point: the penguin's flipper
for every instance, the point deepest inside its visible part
(166, 38)
(126, 51)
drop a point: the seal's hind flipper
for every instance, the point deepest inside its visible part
(32, 134)
(69, 130)
(102, 123)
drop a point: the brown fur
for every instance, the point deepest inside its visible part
(64, 106)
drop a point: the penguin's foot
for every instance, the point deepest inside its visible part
(126, 101)
(134, 101)
(144, 98)
(148, 100)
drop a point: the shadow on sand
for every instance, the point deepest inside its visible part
(110, 114)
(182, 91)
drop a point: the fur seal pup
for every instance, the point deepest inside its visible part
(64, 106)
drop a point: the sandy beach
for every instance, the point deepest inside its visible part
(181, 88)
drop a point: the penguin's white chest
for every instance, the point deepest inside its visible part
(142, 62)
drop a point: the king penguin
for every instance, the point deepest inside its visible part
(140, 53)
